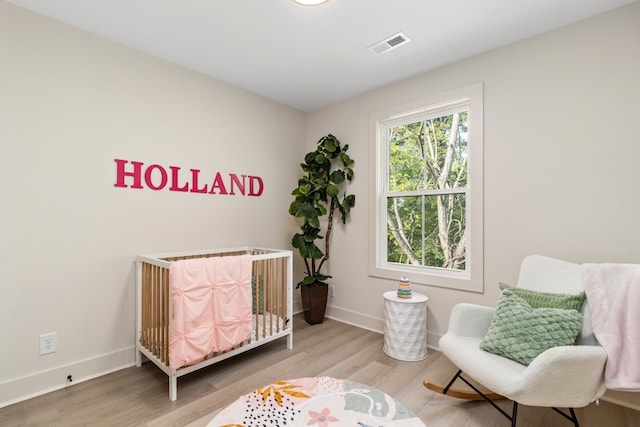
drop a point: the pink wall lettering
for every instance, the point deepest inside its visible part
(130, 174)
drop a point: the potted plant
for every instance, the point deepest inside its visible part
(320, 191)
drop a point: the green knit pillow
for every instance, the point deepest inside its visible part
(520, 332)
(548, 300)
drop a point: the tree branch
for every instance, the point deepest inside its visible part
(396, 228)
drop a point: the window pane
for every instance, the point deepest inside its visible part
(427, 230)
(429, 154)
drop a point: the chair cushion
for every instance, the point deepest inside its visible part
(521, 332)
(547, 299)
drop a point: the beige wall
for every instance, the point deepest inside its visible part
(561, 160)
(560, 176)
(70, 104)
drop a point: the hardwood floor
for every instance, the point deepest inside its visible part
(139, 396)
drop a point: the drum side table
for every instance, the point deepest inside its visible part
(405, 326)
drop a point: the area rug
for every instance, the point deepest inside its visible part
(316, 401)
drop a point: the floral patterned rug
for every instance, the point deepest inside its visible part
(318, 401)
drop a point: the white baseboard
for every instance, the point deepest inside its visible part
(371, 323)
(620, 398)
(356, 319)
(39, 383)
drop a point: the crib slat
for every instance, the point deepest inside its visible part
(264, 271)
(282, 286)
(272, 292)
(263, 302)
(157, 311)
(144, 324)
(153, 312)
(166, 295)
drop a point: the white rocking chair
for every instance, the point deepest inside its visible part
(560, 377)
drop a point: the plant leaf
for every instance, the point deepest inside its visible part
(350, 200)
(330, 144)
(337, 176)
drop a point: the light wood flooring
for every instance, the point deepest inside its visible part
(139, 396)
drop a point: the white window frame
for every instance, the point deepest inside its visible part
(471, 278)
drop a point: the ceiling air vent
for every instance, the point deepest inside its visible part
(389, 43)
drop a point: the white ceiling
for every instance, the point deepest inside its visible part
(310, 57)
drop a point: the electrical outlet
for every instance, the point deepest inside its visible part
(332, 291)
(48, 343)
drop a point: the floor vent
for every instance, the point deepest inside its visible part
(389, 43)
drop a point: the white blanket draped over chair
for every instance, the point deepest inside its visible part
(613, 294)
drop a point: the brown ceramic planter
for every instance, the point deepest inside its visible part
(314, 302)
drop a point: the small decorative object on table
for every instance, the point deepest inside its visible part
(404, 288)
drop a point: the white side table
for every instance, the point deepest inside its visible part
(405, 326)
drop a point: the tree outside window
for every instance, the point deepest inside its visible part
(426, 190)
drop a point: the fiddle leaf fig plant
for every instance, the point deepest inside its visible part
(321, 191)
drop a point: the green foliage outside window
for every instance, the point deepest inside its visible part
(426, 192)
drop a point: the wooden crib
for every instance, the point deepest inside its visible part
(272, 283)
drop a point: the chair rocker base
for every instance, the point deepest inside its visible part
(460, 394)
(489, 397)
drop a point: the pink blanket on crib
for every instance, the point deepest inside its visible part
(211, 306)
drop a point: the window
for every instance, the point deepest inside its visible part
(428, 191)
